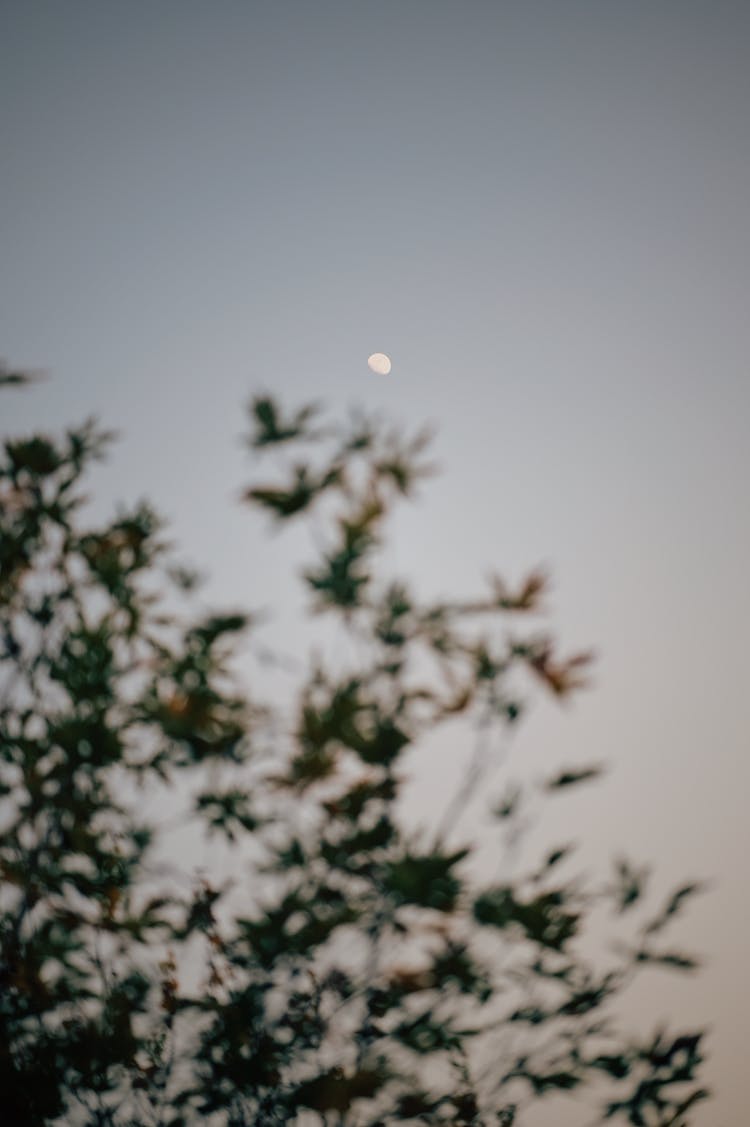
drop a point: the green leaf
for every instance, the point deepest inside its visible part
(269, 426)
(572, 776)
(673, 906)
(37, 456)
(543, 919)
(631, 884)
(673, 959)
(425, 880)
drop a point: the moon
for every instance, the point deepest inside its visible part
(379, 363)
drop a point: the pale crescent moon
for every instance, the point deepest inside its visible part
(379, 363)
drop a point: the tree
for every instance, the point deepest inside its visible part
(363, 973)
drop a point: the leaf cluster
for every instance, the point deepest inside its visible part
(346, 967)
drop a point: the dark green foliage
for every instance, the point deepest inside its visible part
(230, 811)
(270, 429)
(660, 1066)
(335, 966)
(544, 919)
(427, 880)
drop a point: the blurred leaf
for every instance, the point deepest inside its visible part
(509, 803)
(630, 886)
(424, 880)
(37, 456)
(571, 777)
(528, 596)
(303, 490)
(454, 966)
(617, 1065)
(13, 377)
(561, 676)
(543, 919)
(673, 906)
(353, 802)
(229, 811)
(271, 428)
(668, 959)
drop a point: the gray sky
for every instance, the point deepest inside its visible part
(539, 211)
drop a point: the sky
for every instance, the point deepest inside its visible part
(538, 210)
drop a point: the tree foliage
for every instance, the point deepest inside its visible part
(348, 968)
